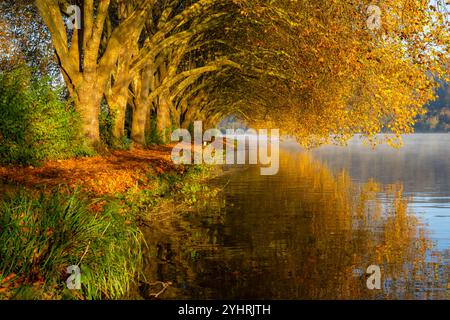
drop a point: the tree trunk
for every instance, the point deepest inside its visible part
(141, 86)
(163, 122)
(118, 105)
(85, 61)
(187, 119)
(176, 116)
(87, 104)
(138, 124)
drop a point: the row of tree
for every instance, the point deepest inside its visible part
(144, 54)
(319, 70)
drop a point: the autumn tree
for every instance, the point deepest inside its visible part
(328, 73)
(319, 70)
(124, 46)
(176, 59)
(85, 57)
(148, 71)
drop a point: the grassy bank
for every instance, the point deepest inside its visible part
(44, 230)
(43, 234)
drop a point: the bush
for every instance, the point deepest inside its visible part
(41, 236)
(36, 124)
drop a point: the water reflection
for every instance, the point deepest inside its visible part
(309, 232)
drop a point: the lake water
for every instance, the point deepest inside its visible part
(312, 230)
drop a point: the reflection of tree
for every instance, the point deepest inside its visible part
(176, 243)
(302, 234)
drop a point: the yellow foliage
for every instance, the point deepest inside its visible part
(337, 77)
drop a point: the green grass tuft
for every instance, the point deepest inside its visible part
(40, 236)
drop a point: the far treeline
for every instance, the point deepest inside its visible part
(437, 118)
(134, 70)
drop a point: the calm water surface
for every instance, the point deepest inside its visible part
(311, 231)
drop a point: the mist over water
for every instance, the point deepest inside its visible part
(422, 166)
(311, 231)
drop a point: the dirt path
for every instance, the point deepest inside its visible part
(101, 175)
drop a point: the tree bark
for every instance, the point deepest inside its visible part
(85, 62)
(142, 84)
(117, 102)
(87, 102)
(138, 124)
(119, 109)
(163, 122)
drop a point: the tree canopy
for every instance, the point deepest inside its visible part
(318, 70)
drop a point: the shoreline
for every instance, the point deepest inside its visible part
(126, 189)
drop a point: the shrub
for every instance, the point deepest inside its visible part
(36, 124)
(41, 236)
